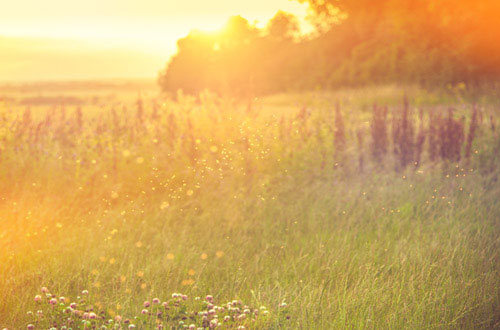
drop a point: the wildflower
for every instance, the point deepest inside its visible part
(192, 327)
(146, 304)
(131, 326)
(72, 305)
(45, 290)
(53, 301)
(30, 327)
(156, 301)
(209, 298)
(204, 256)
(144, 311)
(92, 316)
(38, 298)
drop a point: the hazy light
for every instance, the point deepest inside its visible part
(147, 26)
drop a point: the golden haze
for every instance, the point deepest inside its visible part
(58, 39)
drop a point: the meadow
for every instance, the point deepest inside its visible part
(368, 208)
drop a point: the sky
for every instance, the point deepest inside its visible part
(94, 39)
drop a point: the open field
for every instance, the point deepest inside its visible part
(280, 203)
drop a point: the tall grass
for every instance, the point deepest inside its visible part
(354, 220)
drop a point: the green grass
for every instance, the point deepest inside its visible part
(379, 249)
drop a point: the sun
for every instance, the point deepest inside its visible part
(131, 40)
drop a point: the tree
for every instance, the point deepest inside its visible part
(283, 26)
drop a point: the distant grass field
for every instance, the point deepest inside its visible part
(205, 197)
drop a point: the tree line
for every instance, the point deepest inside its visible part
(356, 42)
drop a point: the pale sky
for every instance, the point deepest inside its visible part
(84, 39)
